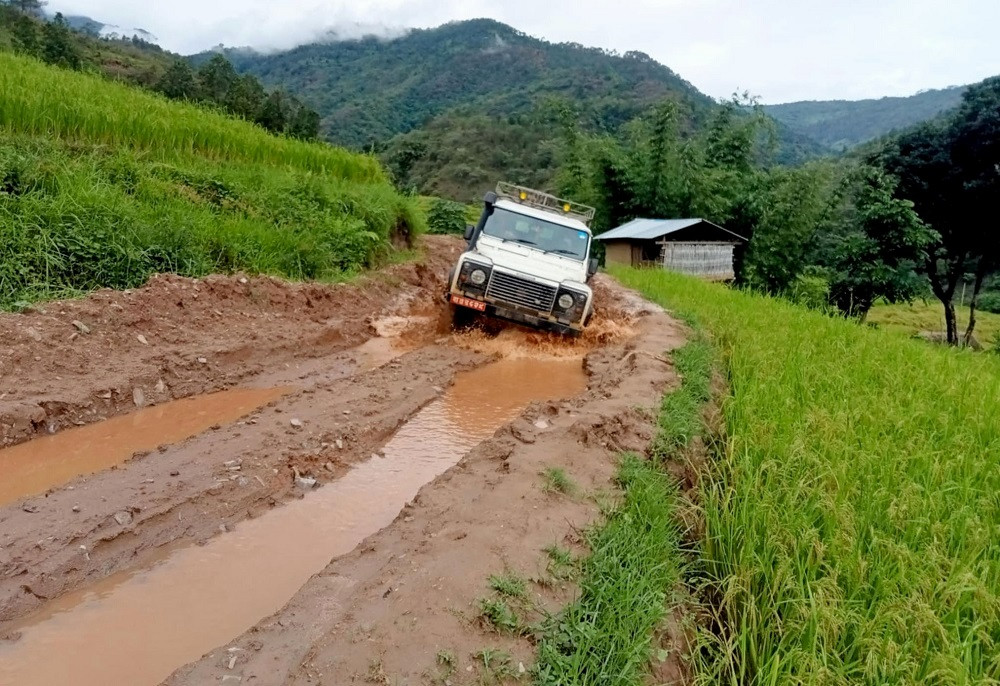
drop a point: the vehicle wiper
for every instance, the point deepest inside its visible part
(563, 251)
(522, 240)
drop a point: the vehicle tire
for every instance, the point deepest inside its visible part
(462, 318)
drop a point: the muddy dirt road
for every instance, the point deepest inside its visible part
(236, 480)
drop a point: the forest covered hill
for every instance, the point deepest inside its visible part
(452, 109)
(842, 124)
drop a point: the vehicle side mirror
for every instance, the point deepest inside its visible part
(592, 267)
(490, 199)
(469, 229)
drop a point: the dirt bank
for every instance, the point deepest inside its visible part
(78, 361)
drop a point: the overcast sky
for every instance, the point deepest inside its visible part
(781, 50)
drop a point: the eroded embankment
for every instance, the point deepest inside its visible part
(73, 362)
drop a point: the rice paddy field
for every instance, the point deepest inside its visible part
(912, 318)
(103, 184)
(852, 513)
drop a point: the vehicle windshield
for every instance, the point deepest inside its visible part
(538, 234)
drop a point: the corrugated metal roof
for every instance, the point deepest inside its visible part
(648, 229)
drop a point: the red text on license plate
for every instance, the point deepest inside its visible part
(468, 302)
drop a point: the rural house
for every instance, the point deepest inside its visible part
(689, 246)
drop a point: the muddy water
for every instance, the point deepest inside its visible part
(137, 628)
(38, 465)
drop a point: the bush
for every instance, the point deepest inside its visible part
(810, 291)
(990, 302)
(446, 217)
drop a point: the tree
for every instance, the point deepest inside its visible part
(976, 151)
(303, 122)
(245, 97)
(32, 7)
(178, 82)
(663, 187)
(25, 32)
(787, 207)
(216, 77)
(948, 169)
(881, 243)
(57, 44)
(272, 115)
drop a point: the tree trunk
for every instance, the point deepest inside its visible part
(945, 292)
(980, 278)
(951, 322)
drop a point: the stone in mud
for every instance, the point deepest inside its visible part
(124, 518)
(138, 397)
(202, 360)
(296, 422)
(33, 334)
(305, 482)
(541, 424)
(80, 326)
(142, 339)
(160, 386)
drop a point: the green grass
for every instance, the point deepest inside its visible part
(561, 564)
(555, 480)
(604, 637)
(509, 584)
(497, 614)
(680, 411)
(45, 101)
(853, 521)
(929, 316)
(102, 185)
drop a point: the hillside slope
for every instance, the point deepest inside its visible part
(842, 124)
(452, 109)
(370, 90)
(102, 184)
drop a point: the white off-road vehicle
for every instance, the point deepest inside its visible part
(528, 261)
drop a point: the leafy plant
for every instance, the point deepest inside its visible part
(446, 217)
(498, 615)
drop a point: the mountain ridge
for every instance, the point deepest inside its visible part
(843, 124)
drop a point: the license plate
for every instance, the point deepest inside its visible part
(468, 302)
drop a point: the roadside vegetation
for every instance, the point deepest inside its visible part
(850, 518)
(102, 185)
(635, 564)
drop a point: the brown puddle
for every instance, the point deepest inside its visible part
(136, 628)
(40, 464)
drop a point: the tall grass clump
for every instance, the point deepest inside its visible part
(853, 521)
(102, 185)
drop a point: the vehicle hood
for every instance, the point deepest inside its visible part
(522, 258)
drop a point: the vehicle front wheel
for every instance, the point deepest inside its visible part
(462, 317)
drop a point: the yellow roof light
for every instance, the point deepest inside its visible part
(566, 207)
(524, 196)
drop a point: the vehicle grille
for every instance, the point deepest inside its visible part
(517, 291)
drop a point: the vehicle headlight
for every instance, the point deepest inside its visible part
(478, 277)
(565, 300)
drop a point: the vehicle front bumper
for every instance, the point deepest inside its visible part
(538, 320)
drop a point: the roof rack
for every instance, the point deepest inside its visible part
(544, 201)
